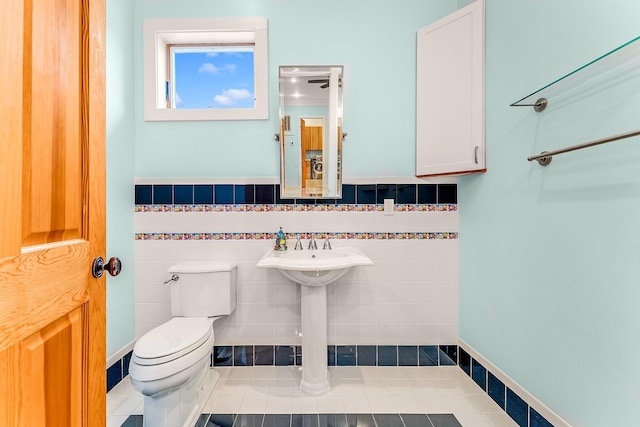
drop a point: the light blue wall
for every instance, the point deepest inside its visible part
(120, 145)
(376, 43)
(549, 288)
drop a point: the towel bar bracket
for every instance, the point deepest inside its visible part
(542, 161)
(539, 106)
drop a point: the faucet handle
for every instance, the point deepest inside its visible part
(327, 244)
(298, 246)
(312, 244)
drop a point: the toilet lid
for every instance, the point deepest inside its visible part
(173, 339)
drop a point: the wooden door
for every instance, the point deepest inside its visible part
(52, 213)
(304, 144)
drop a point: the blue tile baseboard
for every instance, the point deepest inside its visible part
(269, 194)
(361, 355)
(338, 355)
(515, 406)
(291, 355)
(316, 420)
(117, 371)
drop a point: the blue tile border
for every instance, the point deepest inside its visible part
(387, 355)
(162, 194)
(537, 420)
(408, 355)
(269, 194)
(428, 355)
(479, 374)
(243, 355)
(448, 355)
(515, 406)
(143, 195)
(369, 355)
(338, 355)
(496, 390)
(117, 371)
(517, 409)
(263, 355)
(183, 194)
(285, 355)
(345, 355)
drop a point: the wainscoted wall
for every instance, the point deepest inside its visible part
(408, 297)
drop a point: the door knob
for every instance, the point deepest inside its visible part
(113, 267)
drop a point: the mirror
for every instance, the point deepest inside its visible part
(311, 131)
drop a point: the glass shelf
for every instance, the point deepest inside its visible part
(623, 58)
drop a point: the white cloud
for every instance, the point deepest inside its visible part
(178, 99)
(210, 68)
(231, 96)
(230, 68)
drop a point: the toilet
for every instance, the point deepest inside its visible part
(171, 364)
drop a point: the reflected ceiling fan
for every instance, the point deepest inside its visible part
(324, 82)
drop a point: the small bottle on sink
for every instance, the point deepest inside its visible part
(281, 241)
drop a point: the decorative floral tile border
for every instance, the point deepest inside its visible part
(302, 235)
(295, 208)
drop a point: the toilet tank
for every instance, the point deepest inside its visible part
(203, 288)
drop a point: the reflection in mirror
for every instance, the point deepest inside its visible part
(310, 131)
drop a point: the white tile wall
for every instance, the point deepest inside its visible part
(409, 295)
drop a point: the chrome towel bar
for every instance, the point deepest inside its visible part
(545, 157)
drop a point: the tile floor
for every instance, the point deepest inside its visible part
(354, 390)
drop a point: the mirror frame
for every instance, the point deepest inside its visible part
(308, 92)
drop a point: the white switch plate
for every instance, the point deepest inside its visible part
(388, 206)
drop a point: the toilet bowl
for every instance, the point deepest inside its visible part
(171, 364)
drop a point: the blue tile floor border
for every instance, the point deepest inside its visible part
(429, 355)
(288, 355)
(338, 355)
(316, 420)
(117, 371)
(508, 400)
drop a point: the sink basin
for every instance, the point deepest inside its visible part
(314, 267)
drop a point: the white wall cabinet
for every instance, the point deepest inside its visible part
(450, 94)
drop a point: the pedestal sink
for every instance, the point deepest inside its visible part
(313, 270)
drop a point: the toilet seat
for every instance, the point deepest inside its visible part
(171, 340)
(171, 347)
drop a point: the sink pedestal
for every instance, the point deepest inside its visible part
(315, 379)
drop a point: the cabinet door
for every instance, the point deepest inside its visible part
(316, 137)
(450, 94)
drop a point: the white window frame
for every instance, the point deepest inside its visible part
(158, 33)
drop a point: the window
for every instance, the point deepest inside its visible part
(205, 69)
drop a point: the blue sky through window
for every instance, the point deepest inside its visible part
(213, 78)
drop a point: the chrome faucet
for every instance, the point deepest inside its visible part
(298, 246)
(312, 244)
(327, 244)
